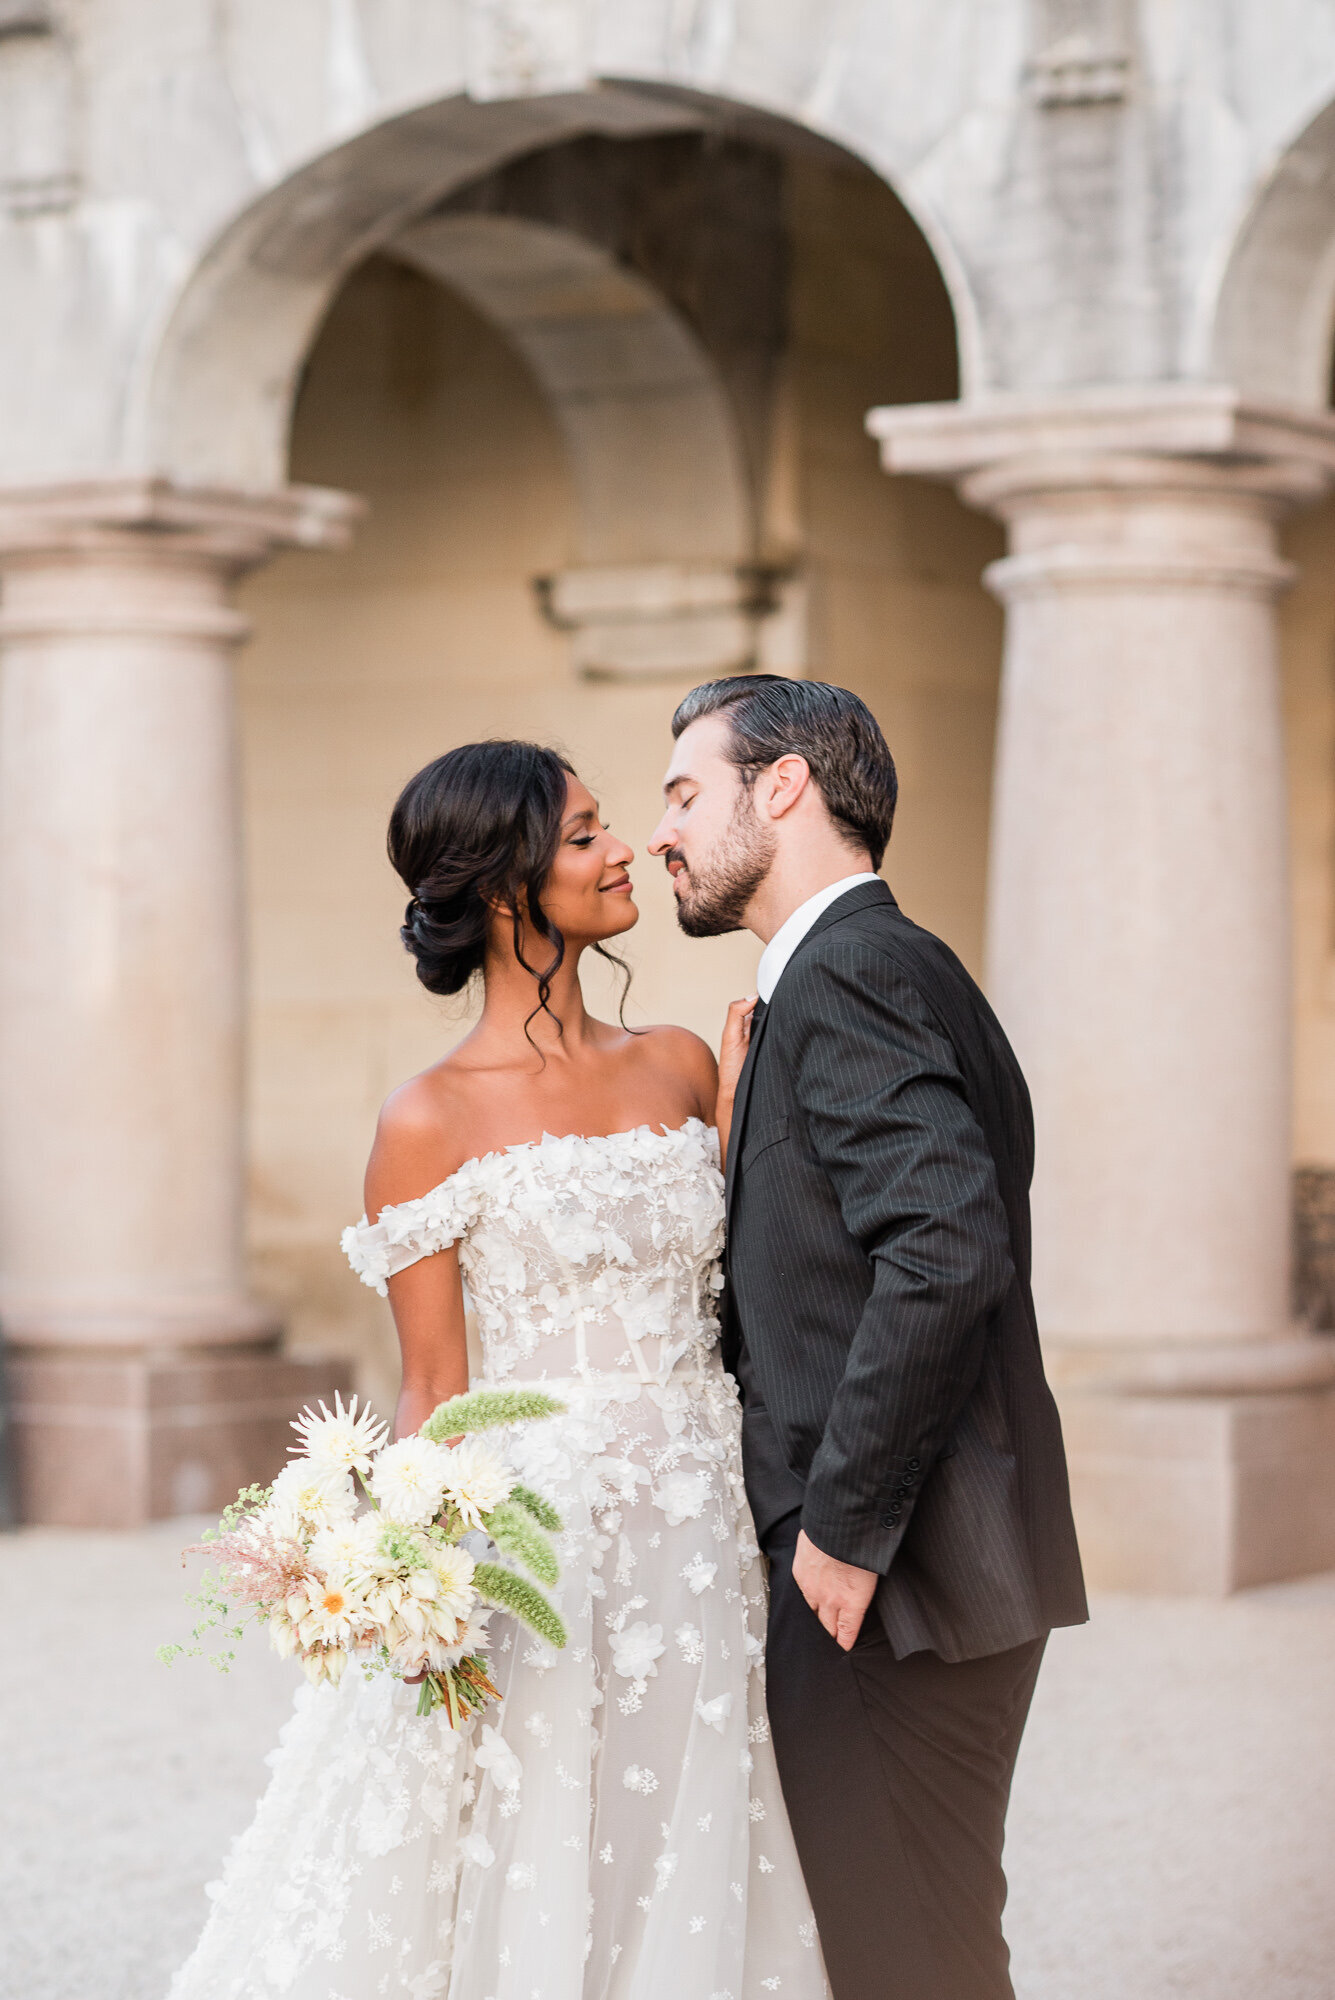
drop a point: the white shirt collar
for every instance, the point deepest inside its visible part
(789, 935)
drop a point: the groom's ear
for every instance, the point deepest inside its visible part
(780, 787)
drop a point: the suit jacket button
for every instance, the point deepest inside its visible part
(888, 1520)
(915, 1465)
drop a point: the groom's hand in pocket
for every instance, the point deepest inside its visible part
(837, 1592)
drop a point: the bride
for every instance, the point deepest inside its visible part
(614, 1830)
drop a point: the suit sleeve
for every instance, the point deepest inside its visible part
(886, 1116)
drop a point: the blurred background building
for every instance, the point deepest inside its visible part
(379, 374)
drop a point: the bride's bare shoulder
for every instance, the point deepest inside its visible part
(422, 1135)
(686, 1056)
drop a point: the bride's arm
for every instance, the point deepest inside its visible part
(427, 1298)
(731, 1056)
(427, 1301)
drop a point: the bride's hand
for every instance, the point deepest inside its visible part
(731, 1056)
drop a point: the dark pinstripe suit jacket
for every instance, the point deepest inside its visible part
(878, 1311)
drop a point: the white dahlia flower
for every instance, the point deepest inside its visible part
(454, 1580)
(408, 1480)
(317, 1495)
(476, 1479)
(348, 1548)
(342, 1441)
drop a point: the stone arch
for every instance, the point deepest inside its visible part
(672, 573)
(1275, 315)
(664, 577)
(213, 390)
(638, 403)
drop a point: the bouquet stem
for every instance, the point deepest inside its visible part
(460, 1690)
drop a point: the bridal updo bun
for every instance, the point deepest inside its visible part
(477, 828)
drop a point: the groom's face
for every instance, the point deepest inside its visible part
(718, 851)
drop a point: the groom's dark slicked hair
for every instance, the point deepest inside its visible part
(770, 717)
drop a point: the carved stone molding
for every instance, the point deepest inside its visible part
(666, 620)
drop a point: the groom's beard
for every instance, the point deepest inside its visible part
(718, 890)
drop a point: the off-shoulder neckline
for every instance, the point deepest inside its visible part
(594, 1139)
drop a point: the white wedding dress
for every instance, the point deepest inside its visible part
(614, 1830)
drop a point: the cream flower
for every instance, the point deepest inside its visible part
(334, 1618)
(635, 1651)
(476, 1479)
(324, 1664)
(427, 1652)
(454, 1580)
(473, 1634)
(341, 1441)
(409, 1479)
(318, 1496)
(349, 1549)
(282, 1632)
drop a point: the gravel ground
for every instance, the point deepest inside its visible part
(1172, 1831)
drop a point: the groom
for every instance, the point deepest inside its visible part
(903, 1455)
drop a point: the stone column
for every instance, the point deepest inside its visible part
(1139, 956)
(145, 1379)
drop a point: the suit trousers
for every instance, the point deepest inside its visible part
(896, 1775)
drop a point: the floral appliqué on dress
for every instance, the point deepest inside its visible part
(599, 1839)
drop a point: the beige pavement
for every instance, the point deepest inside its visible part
(1173, 1830)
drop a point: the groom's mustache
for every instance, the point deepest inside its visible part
(674, 854)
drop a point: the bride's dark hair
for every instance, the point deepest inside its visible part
(476, 829)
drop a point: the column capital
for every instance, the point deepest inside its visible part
(148, 558)
(1206, 435)
(235, 527)
(1167, 487)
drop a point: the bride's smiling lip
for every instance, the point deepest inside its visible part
(621, 887)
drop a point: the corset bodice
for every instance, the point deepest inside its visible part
(583, 1257)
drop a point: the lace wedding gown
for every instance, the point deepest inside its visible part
(614, 1830)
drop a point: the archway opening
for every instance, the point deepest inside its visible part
(603, 365)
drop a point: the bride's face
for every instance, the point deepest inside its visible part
(587, 894)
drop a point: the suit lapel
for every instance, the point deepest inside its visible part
(845, 906)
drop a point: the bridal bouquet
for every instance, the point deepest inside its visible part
(391, 1584)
